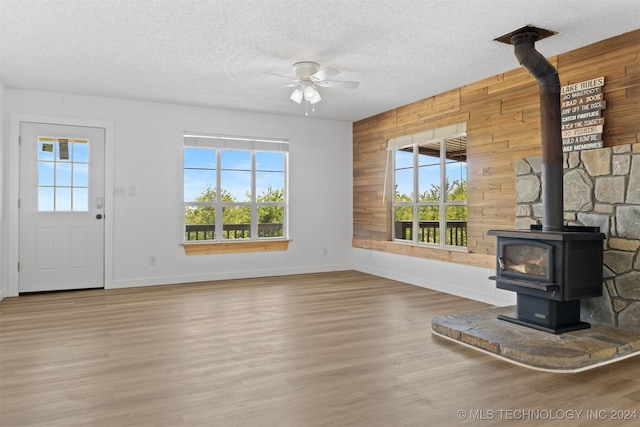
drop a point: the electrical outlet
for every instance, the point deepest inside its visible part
(325, 251)
(153, 260)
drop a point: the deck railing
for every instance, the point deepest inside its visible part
(429, 232)
(231, 231)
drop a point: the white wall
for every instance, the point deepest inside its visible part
(462, 280)
(4, 277)
(147, 155)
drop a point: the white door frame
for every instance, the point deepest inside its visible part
(14, 190)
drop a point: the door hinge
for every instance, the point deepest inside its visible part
(19, 139)
(18, 203)
(18, 266)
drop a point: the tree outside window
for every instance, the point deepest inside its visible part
(234, 194)
(430, 191)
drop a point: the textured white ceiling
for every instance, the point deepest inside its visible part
(214, 53)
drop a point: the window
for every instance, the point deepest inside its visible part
(63, 175)
(235, 188)
(424, 165)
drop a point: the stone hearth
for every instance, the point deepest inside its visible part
(565, 353)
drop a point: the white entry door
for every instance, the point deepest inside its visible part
(61, 207)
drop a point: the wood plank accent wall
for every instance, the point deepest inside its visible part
(503, 124)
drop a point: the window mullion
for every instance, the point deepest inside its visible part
(415, 238)
(285, 216)
(254, 201)
(393, 195)
(219, 225)
(443, 190)
(55, 177)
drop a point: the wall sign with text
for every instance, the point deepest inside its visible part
(581, 115)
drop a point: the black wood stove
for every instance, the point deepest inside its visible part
(552, 266)
(550, 272)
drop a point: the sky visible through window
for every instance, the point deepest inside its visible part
(429, 173)
(200, 172)
(63, 175)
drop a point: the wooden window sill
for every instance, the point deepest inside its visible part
(205, 248)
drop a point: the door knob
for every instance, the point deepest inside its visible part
(99, 216)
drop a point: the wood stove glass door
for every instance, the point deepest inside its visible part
(521, 258)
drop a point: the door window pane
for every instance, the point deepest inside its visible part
(63, 199)
(80, 200)
(63, 174)
(45, 174)
(46, 150)
(45, 199)
(80, 175)
(80, 152)
(64, 151)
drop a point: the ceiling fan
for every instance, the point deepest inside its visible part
(308, 76)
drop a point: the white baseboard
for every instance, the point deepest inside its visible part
(460, 280)
(171, 280)
(469, 293)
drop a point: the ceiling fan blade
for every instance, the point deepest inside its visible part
(325, 73)
(280, 86)
(293, 79)
(338, 84)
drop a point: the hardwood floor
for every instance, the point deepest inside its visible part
(329, 349)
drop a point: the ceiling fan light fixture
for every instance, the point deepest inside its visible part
(310, 94)
(317, 98)
(308, 77)
(296, 96)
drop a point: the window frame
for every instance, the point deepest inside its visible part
(252, 145)
(440, 135)
(54, 163)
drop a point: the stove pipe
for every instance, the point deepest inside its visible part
(547, 77)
